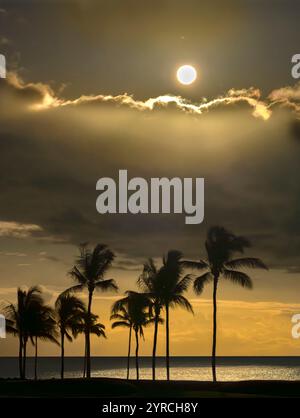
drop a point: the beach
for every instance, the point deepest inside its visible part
(120, 388)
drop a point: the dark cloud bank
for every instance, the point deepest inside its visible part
(52, 156)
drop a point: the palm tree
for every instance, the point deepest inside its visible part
(123, 320)
(137, 307)
(172, 284)
(68, 308)
(42, 326)
(221, 245)
(87, 324)
(19, 316)
(89, 271)
(150, 283)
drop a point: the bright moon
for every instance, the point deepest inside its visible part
(186, 74)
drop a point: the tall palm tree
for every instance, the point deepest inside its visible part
(123, 320)
(68, 308)
(42, 326)
(19, 316)
(87, 324)
(137, 306)
(89, 271)
(172, 283)
(221, 245)
(150, 283)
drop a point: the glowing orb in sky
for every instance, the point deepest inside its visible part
(186, 74)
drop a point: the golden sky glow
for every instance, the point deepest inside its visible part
(99, 94)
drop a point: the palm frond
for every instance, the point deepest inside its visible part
(246, 262)
(238, 277)
(78, 276)
(106, 285)
(200, 281)
(183, 284)
(68, 337)
(147, 278)
(197, 265)
(73, 289)
(98, 331)
(117, 316)
(118, 324)
(10, 327)
(182, 302)
(119, 305)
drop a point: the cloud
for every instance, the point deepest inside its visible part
(18, 230)
(59, 152)
(4, 41)
(288, 97)
(49, 100)
(12, 254)
(44, 256)
(40, 96)
(286, 93)
(25, 95)
(128, 264)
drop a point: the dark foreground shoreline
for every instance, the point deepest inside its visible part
(119, 388)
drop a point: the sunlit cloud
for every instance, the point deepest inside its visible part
(288, 96)
(45, 98)
(18, 230)
(12, 254)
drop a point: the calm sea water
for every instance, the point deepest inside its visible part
(182, 368)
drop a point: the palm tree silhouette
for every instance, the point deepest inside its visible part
(86, 323)
(89, 271)
(172, 286)
(68, 308)
(137, 307)
(42, 326)
(19, 316)
(220, 246)
(123, 320)
(150, 283)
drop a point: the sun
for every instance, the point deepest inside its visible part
(186, 74)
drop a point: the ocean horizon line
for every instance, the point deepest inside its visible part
(162, 357)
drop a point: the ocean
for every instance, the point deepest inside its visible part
(182, 368)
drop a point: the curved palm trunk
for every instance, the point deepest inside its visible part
(35, 358)
(154, 345)
(137, 354)
(129, 349)
(62, 350)
(214, 342)
(24, 357)
(167, 343)
(21, 356)
(84, 360)
(88, 341)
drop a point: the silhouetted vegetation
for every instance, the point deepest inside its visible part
(221, 245)
(162, 288)
(137, 307)
(89, 271)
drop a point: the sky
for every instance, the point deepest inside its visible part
(91, 88)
